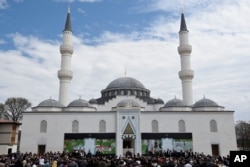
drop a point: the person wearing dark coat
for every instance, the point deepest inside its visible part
(18, 163)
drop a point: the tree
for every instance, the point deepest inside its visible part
(13, 108)
(242, 129)
(1, 110)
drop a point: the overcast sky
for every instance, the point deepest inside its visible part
(139, 36)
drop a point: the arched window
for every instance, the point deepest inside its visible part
(155, 127)
(213, 126)
(182, 126)
(43, 126)
(75, 126)
(102, 126)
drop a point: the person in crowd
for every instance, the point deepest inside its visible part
(164, 159)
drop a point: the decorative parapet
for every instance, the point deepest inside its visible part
(65, 74)
(185, 49)
(66, 49)
(186, 74)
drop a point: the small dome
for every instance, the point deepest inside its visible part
(174, 103)
(128, 103)
(205, 103)
(79, 103)
(159, 101)
(125, 82)
(93, 101)
(50, 103)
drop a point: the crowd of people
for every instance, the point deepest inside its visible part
(80, 159)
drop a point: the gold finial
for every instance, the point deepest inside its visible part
(69, 9)
(182, 9)
(125, 73)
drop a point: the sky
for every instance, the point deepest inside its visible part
(136, 37)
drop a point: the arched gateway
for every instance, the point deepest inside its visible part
(128, 132)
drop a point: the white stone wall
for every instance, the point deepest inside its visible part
(197, 123)
(57, 125)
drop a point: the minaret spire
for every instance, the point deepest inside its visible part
(68, 22)
(65, 74)
(186, 74)
(183, 26)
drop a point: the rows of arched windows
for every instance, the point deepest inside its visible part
(102, 126)
(213, 126)
(182, 126)
(43, 126)
(125, 92)
(75, 126)
(154, 125)
(212, 123)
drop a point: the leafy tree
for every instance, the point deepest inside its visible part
(13, 108)
(1, 110)
(243, 135)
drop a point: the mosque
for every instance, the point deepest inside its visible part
(126, 118)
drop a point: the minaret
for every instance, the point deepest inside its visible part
(186, 74)
(65, 74)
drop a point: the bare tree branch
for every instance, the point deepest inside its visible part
(1, 111)
(243, 135)
(14, 108)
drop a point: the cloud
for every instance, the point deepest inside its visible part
(3, 4)
(18, 1)
(71, 1)
(81, 10)
(25, 69)
(89, 0)
(174, 6)
(2, 41)
(68, 1)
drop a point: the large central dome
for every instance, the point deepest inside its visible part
(125, 82)
(125, 86)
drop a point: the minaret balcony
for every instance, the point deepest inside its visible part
(186, 74)
(65, 74)
(66, 49)
(182, 49)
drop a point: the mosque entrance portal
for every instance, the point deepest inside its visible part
(128, 138)
(128, 144)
